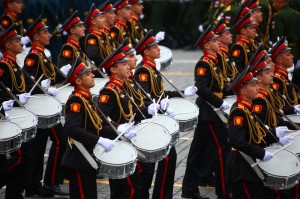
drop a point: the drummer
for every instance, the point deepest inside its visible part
(134, 25)
(115, 103)
(36, 64)
(83, 124)
(246, 135)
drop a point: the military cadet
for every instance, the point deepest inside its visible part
(247, 139)
(229, 70)
(37, 64)
(123, 14)
(243, 49)
(84, 125)
(286, 15)
(264, 26)
(71, 50)
(97, 44)
(212, 12)
(210, 131)
(228, 12)
(134, 25)
(115, 103)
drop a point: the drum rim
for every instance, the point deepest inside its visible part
(166, 116)
(184, 99)
(20, 129)
(20, 108)
(49, 97)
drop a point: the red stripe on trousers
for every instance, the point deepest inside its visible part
(277, 195)
(161, 195)
(246, 189)
(55, 155)
(131, 188)
(139, 167)
(18, 160)
(80, 185)
(297, 191)
(224, 191)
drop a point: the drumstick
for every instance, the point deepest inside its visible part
(159, 98)
(68, 84)
(36, 83)
(155, 108)
(31, 96)
(166, 103)
(146, 124)
(16, 117)
(185, 113)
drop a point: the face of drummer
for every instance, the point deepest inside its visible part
(124, 13)
(110, 17)
(249, 31)
(265, 77)
(225, 38)
(152, 52)
(137, 9)
(132, 59)
(212, 46)
(42, 37)
(86, 80)
(257, 16)
(78, 31)
(285, 59)
(13, 46)
(270, 63)
(16, 6)
(250, 91)
(120, 70)
(99, 21)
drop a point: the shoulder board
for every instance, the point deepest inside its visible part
(117, 25)
(205, 59)
(241, 106)
(78, 94)
(34, 51)
(259, 95)
(239, 43)
(4, 60)
(277, 75)
(111, 86)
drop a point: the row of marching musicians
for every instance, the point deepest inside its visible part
(253, 153)
(92, 128)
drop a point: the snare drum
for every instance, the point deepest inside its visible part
(277, 175)
(10, 137)
(294, 146)
(165, 59)
(171, 125)
(26, 119)
(119, 163)
(186, 113)
(99, 84)
(152, 142)
(294, 118)
(47, 109)
(230, 100)
(63, 96)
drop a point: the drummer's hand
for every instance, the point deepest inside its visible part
(280, 131)
(297, 108)
(65, 69)
(23, 98)
(285, 139)
(130, 134)
(268, 156)
(191, 90)
(164, 104)
(153, 108)
(52, 91)
(125, 128)
(46, 83)
(7, 105)
(107, 144)
(160, 36)
(170, 112)
(225, 106)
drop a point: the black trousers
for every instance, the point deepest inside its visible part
(165, 174)
(127, 188)
(53, 173)
(248, 190)
(208, 137)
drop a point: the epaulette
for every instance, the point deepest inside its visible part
(117, 25)
(259, 95)
(34, 51)
(4, 60)
(277, 75)
(241, 106)
(239, 43)
(111, 86)
(228, 8)
(78, 94)
(205, 59)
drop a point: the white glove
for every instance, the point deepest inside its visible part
(107, 144)
(65, 33)
(280, 131)
(297, 108)
(52, 91)
(160, 36)
(46, 83)
(225, 106)
(191, 90)
(285, 139)
(200, 28)
(7, 105)
(125, 128)
(170, 112)
(25, 40)
(164, 104)
(58, 28)
(268, 156)
(23, 98)
(7, 117)
(153, 108)
(130, 134)
(65, 69)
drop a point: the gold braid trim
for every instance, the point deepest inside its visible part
(157, 88)
(253, 44)
(271, 118)
(293, 100)
(277, 101)
(244, 46)
(229, 70)
(122, 112)
(136, 94)
(20, 88)
(109, 47)
(217, 76)
(135, 33)
(49, 74)
(120, 35)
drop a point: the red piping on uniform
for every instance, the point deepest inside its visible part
(297, 191)
(80, 185)
(246, 189)
(161, 195)
(18, 161)
(277, 195)
(55, 155)
(224, 191)
(140, 170)
(131, 188)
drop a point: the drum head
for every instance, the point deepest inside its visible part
(294, 118)
(184, 109)
(295, 145)
(44, 105)
(122, 153)
(64, 93)
(99, 83)
(151, 137)
(9, 130)
(283, 163)
(230, 100)
(29, 120)
(169, 123)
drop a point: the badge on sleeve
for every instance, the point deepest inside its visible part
(5, 22)
(143, 77)
(103, 98)
(92, 41)
(201, 71)
(67, 53)
(1, 72)
(29, 62)
(113, 35)
(75, 107)
(238, 121)
(236, 53)
(275, 86)
(257, 108)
